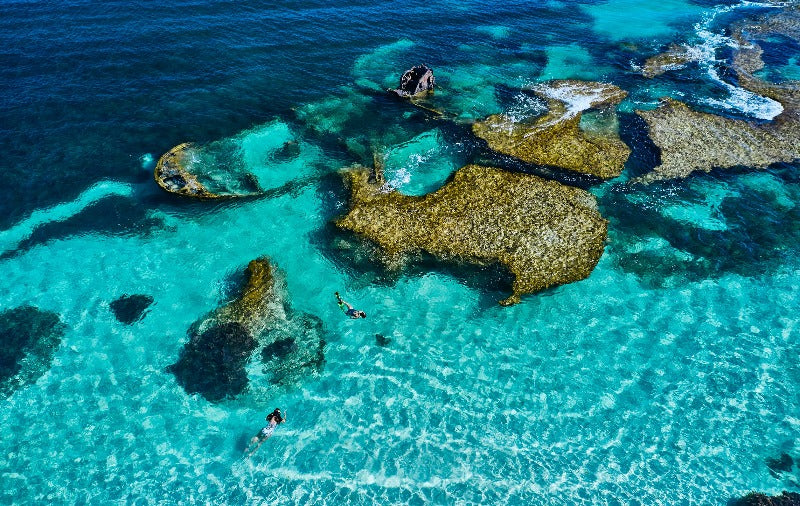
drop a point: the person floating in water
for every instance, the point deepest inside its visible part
(274, 419)
(348, 309)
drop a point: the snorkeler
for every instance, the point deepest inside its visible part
(348, 309)
(274, 419)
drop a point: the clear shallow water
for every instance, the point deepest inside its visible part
(668, 376)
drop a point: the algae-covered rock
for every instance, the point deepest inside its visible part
(690, 140)
(543, 232)
(172, 173)
(221, 344)
(676, 57)
(29, 337)
(558, 138)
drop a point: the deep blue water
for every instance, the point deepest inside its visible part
(667, 377)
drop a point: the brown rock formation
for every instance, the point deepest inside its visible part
(677, 56)
(557, 138)
(691, 140)
(171, 175)
(545, 233)
(416, 81)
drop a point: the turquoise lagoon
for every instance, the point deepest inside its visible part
(666, 377)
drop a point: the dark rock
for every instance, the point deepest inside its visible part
(297, 350)
(212, 363)
(130, 309)
(382, 340)
(759, 499)
(782, 464)
(278, 349)
(415, 81)
(289, 151)
(29, 338)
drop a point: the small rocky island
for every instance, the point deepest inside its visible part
(558, 138)
(543, 232)
(416, 81)
(221, 344)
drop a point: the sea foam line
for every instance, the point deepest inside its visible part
(11, 237)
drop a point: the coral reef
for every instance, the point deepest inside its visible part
(129, 309)
(213, 362)
(30, 337)
(543, 232)
(759, 499)
(691, 140)
(558, 138)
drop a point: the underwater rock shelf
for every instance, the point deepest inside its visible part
(213, 362)
(544, 232)
(557, 137)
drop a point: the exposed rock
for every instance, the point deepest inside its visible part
(213, 362)
(30, 338)
(172, 175)
(691, 140)
(543, 232)
(415, 81)
(676, 57)
(129, 309)
(759, 499)
(557, 138)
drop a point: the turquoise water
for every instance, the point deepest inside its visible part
(666, 377)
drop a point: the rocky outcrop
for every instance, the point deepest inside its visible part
(129, 309)
(172, 175)
(691, 140)
(30, 338)
(676, 57)
(543, 232)
(221, 345)
(418, 80)
(558, 138)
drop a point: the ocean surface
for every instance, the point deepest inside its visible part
(669, 376)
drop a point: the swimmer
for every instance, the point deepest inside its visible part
(348, 309)
(274, 419)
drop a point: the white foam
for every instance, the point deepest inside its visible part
(13, 236)
(704, 53)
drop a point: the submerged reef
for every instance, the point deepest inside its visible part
(559, 138)
(213, 362)
(30, 337)
(129, 309)
(759, 499)
(171, 174)
(543, 232)
(691, 140)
